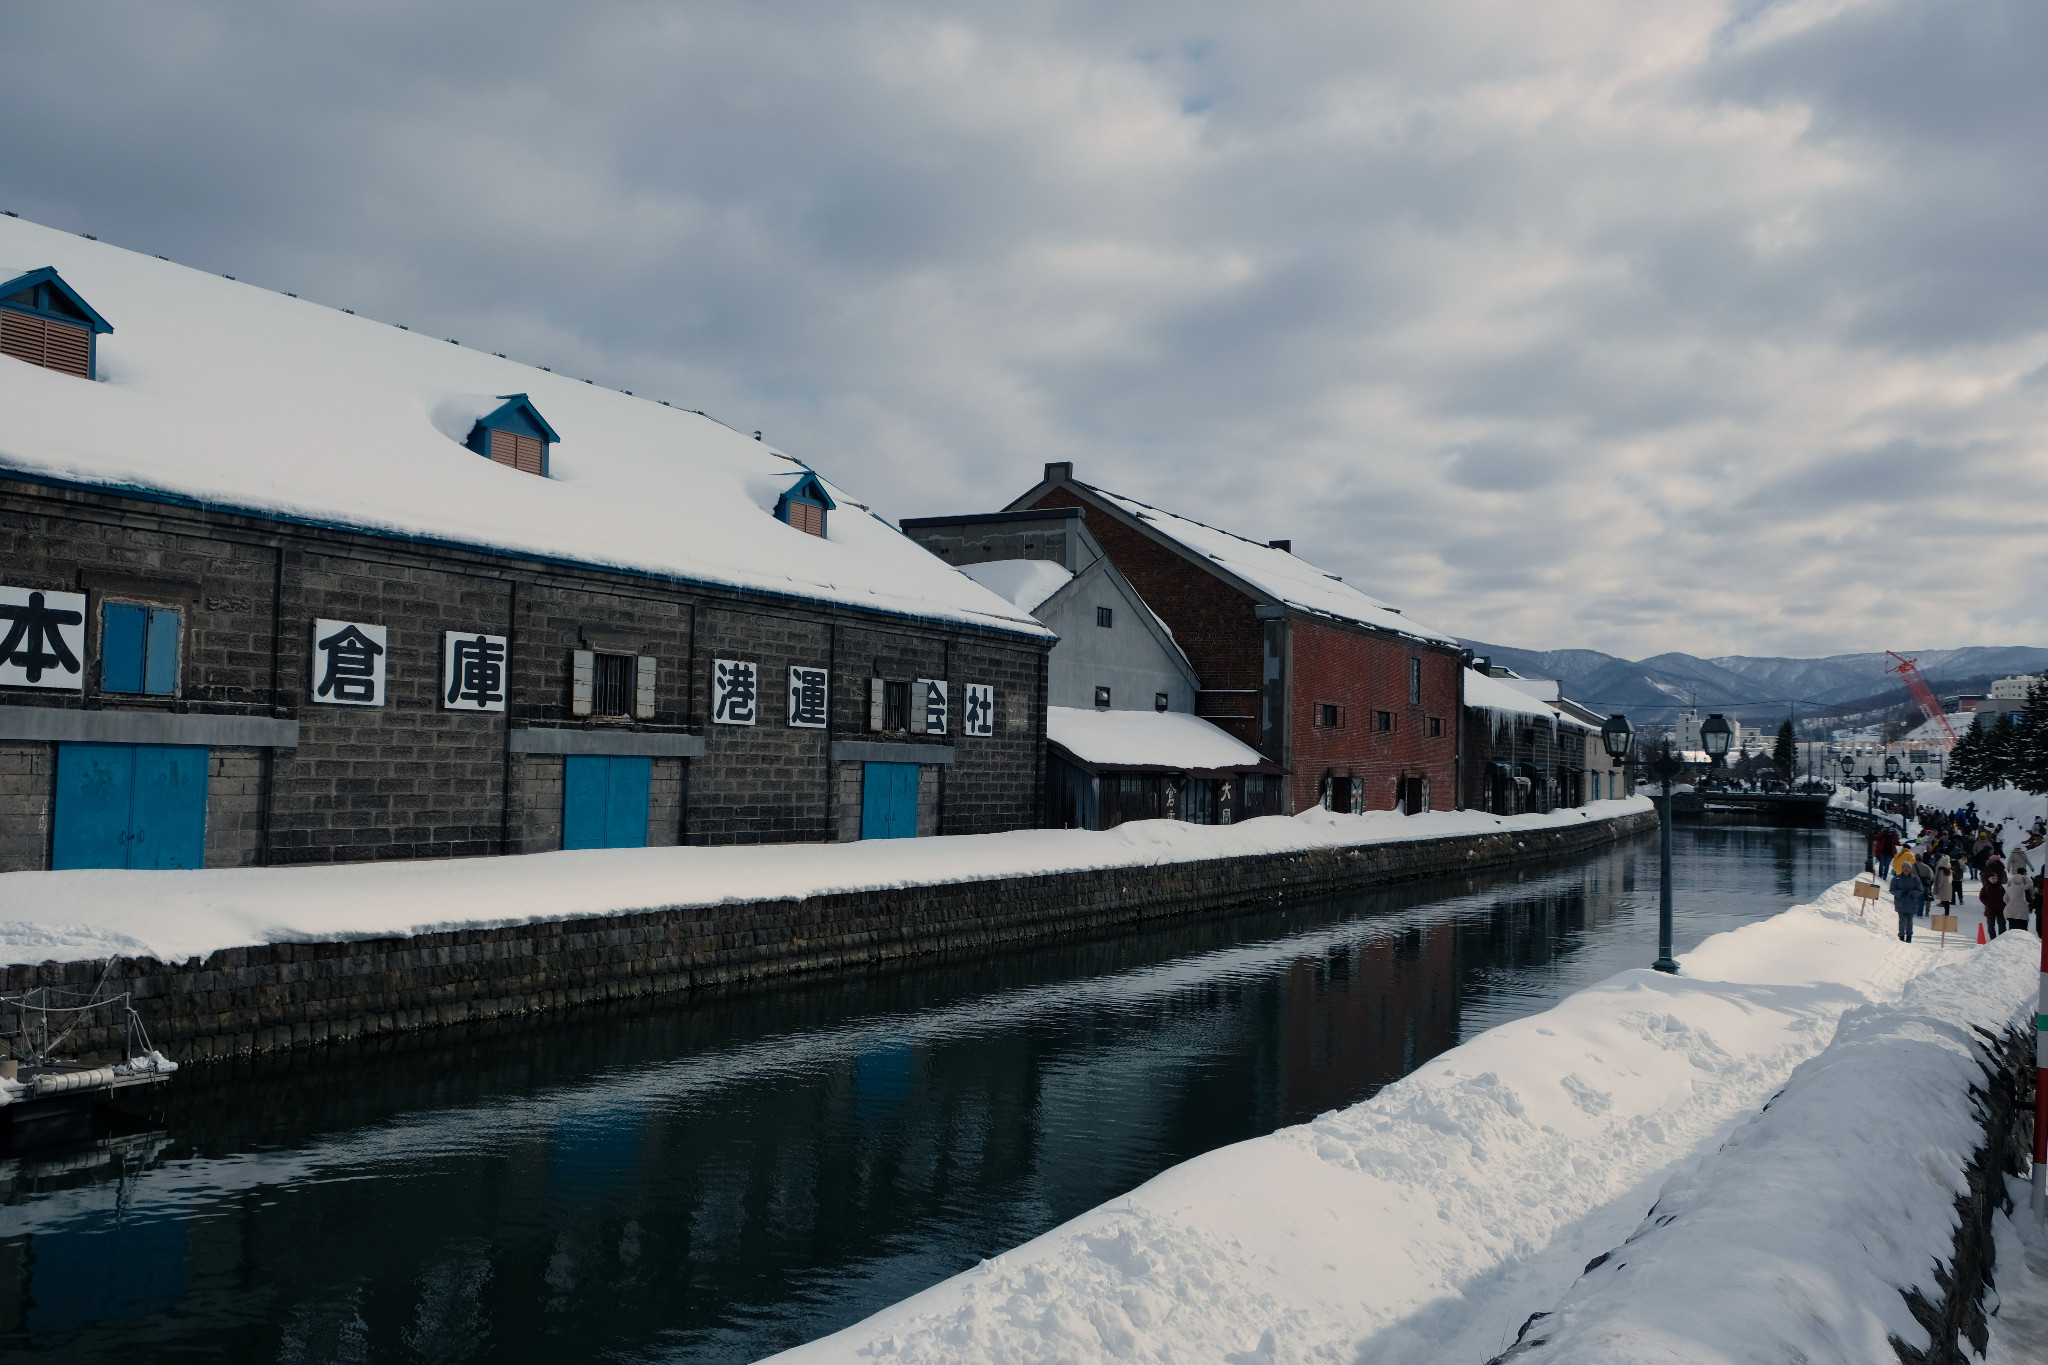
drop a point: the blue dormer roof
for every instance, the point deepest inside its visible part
(517, 414)
(810, 488)
(44, 293)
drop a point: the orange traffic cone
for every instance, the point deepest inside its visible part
(1980, 934)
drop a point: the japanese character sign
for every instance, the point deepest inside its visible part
(42, 639)
(979, 716)
(807, 698)
(934, 703)
(348, 663)
(735, 692)
(473, 672)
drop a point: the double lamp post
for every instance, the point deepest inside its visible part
(1618, 737)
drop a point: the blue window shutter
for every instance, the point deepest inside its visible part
(122, 632)
(160, 659)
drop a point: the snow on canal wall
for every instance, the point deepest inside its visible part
(1429, 1223)
(243, 961)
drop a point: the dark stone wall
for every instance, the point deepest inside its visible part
(410, 779)
(275, 997)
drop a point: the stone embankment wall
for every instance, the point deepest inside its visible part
(274, 997)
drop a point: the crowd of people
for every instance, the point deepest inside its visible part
(1929, 872)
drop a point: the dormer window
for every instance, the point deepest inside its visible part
(514, 434)
(46, 323)
(805, 504)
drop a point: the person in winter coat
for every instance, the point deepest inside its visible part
(1945, 882)
(1909, 898)
(2015, 903)
(1980, 851)
(1992, 896)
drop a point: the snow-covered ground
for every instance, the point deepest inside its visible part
(1428, 1223)
(177, 915)
(1796, 1238)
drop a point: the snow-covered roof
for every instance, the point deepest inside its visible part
(1498, 694)
(240, 398)
(1277, 573)
(1025, 582)
(1148, 739)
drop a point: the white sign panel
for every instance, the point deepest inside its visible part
(934, 705)
(808, 698)
(735, 692)
(348, 663)
(42, 639)
(979, 715)
(472, 672)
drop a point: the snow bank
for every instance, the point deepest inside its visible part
(1796, 1239)
(1165, 739)
(1426, 1224)
(176, 915)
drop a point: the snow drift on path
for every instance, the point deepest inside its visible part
(174, 915)
(1428, 1223)
(1797, 1239)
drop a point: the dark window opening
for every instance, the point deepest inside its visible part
(1436, 727)
(895, 706)
(138, 649)
(1104, 616)
(1102, 697)
(611, 685)
(1415, 682)
(1329, 715)
(1158, 701)
(1383, 720)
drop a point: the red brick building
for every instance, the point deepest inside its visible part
(1356, 702)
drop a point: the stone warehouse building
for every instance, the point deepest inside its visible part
(283, 585)
(1355, 703)
(1526, 749)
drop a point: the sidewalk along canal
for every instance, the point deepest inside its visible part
(1429, 1222)
(235, 962)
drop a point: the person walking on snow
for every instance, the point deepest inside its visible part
(1945, 882)
(1909, 897)
(1992, 896)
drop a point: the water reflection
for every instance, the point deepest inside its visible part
(717, 1181)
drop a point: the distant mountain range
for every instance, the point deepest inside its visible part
(1742, 684)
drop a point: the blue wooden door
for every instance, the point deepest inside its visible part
(130, 805)
(604, 801)
(888, 801)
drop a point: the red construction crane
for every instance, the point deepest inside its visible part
(1909, 669)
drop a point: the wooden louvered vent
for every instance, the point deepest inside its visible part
(523, 453)
(807, 517)
(40, 341)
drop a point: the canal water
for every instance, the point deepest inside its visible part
(719, 1180)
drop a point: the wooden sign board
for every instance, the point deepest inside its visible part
(1866, 891)
(1942, 924)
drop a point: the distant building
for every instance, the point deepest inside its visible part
(1353, 701)
(1123, 740)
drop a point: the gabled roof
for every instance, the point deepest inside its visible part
(1494, 694)
(1262, 571)
(809, 486)
(48, 275)
(1171, 740)
(505, 417)
(212, 371)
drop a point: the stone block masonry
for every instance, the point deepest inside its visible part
(270, 998)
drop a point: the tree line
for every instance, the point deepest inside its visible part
(2005, 754)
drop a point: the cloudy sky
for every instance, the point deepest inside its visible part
(1720, 327)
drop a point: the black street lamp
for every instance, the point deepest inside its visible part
(1617, 734)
